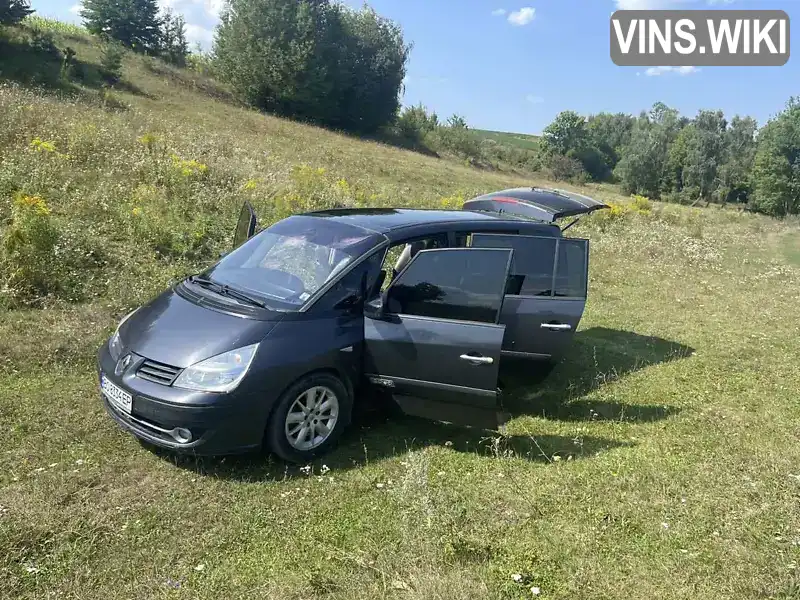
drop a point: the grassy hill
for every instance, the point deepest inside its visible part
(659, 460)
(520, 140)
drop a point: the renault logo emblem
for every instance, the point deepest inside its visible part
(122, 364)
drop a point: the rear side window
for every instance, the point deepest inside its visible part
(534, 264)
(571, 268)
(458, 284)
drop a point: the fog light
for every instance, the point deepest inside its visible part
(181, 435)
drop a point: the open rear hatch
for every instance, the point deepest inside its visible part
(541, 204)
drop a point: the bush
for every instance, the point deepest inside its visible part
(455, 137)
(414, 123)
(642, 204)
(40, 260)
(111, 62)
(314, 60)
(564, 168)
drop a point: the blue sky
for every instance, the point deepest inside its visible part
(513, 65)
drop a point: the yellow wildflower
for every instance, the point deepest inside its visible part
(37, 204)
(42, 146)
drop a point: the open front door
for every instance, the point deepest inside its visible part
(435, 341)
(245, 226)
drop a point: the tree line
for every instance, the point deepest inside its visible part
(322, 62)
(662, 154)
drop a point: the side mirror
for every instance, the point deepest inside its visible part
(376, 308)
(351, 302)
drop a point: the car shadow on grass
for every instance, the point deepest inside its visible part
(598, 356)
(379, 436)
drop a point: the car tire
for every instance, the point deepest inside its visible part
(325, 387)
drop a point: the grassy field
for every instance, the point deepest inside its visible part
(661, 459)
(521, 140)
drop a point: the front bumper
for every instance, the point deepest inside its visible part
(220, 423)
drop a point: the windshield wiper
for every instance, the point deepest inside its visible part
(226, 290)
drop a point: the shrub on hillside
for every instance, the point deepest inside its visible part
(565, 168)
(455, 137)
(39, 259)
(414, 122)
(111, 62)
(315, 60)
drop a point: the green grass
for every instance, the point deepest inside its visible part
(659, 460)
(520, 140)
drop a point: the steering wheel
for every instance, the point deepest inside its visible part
(284, 280)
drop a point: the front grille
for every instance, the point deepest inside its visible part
(158, 372)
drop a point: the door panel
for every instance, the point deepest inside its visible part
(540, 327)
(425, 354)
(434, 368)
(437, 344)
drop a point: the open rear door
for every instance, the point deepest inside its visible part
(546, 295)
(435, 343)
(535, 203)
(245, 226)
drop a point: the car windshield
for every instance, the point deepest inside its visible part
(284, 265)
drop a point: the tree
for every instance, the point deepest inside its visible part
(133, 23)
(610, 133)
(174, 47)
(776, 173)
(643, 167)
(735, 176)
(567, 132)
(14, 11)
(568, 135)
(313, 59)
(705, 153)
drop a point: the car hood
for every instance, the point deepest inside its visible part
(177, 332)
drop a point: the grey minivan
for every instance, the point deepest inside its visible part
(271, 346)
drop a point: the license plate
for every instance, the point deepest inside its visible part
(117, 396)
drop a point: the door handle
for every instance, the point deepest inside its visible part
(477, 360)
(557, 326)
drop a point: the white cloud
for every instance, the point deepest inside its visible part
(201, 35)
(498, 12)
(523, 16)
(534, 99)
(75, 9)
(657, 71)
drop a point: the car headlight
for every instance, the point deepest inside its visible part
(114, 343)
(221, 373)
